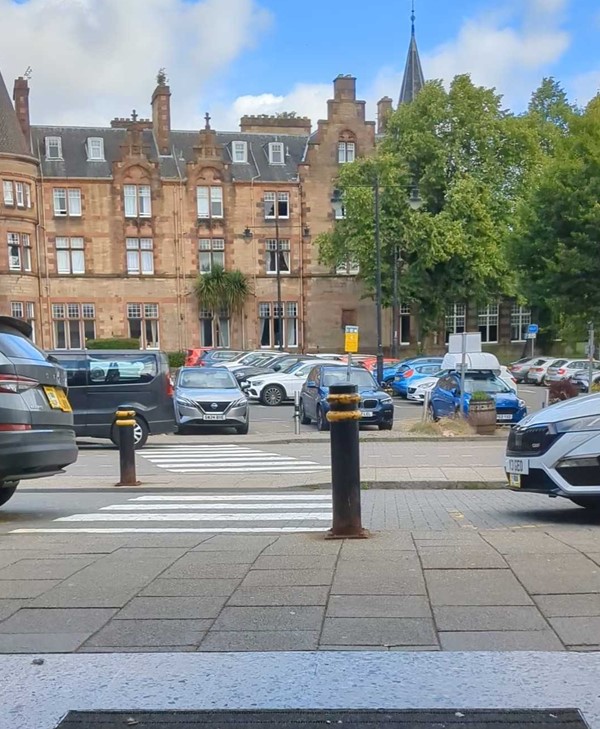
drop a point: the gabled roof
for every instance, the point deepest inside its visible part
(12, 140)
(414, 80)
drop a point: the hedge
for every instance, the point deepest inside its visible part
(113, 343)
(176, 359)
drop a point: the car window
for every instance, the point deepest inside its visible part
(559, 363)
(19, 347)
(202, 380)
(488, 384)
(428, 369)
(76, 368)
(222, 355)
(447, 383)
(339, 375)
(110, 369)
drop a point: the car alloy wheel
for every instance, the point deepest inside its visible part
(322, 422)
(272, 395)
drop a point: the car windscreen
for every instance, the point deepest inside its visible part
(202, 380)
(558, 363)
(16, 346)
(491, 385)
(339, 376)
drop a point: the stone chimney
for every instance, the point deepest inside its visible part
(161, 114)
(21, 99)
(384, 109)
(344, 88)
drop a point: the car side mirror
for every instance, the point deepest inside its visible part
(276, 368)
(311, 383)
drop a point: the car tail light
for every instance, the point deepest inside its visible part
(170, 388)
(408, 373)
(14, 383)
(5, 427)
(561, 371)
(536, 369)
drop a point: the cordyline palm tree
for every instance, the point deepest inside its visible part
(221, 290)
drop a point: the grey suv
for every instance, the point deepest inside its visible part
(37, 437)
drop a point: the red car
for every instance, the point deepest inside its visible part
(193, 357)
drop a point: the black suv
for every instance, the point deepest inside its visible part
(37, 436)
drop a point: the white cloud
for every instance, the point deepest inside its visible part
(585, 87)
(95, 59)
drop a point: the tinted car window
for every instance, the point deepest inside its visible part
(447, 383)
(76, 371)
(202, 380)
(488, 384)
(339, 375)
(122, 369)
(558, 363)
(17, 346)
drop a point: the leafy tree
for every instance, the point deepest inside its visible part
(221, 290)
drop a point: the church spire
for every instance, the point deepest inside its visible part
(413, 80)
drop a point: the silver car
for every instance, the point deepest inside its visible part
(564, 369)
(210, 396)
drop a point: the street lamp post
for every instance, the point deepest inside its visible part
(378, 292)
(396, 303)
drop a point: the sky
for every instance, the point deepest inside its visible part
(93, 60)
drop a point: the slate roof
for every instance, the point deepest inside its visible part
(76, 164)
(12, 140)
(413, 80)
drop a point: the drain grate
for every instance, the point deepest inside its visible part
(324, 719)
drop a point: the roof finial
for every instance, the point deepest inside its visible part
(413, 18)
(207, 121)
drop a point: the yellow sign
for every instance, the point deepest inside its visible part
(351, 340)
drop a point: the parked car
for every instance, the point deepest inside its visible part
(538, 369)
(556, 452)
(255, 358)
(564, 369)
(446, 397)
(582, 380)
(277, 387)
(210, 396)
(416, 391)
(376, 406)
(102, 381)
(194, 356)
(520, 368)
(212, 357)
(37, 435)
(415, 370)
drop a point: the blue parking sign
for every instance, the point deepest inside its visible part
(533, 329)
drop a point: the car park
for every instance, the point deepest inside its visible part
(275, 388)
(37, 435)
(376, 406)
(564, 369)
(412, 372)
(538, 369)
(556, 452)
(102, 381)
(210, 396)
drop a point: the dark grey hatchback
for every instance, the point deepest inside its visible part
(37, 436)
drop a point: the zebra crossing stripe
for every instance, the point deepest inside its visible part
(168, 530)
(208, 507)
(277, 516)
(235, 497)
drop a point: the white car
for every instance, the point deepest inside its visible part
(277, 387)
(416, 392)
(556, 452)
(538, 370)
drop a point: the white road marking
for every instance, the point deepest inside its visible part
(124, 530)
(278, 516)
(208, 507)
(246, 469)
(236, 497)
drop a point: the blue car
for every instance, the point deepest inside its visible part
(376, 406)
(415, 369)
(446, 396)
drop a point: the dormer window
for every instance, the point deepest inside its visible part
(240, 152)
(54, 148)
(276, 153)
(95, 148)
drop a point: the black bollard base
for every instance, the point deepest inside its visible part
(350, 534)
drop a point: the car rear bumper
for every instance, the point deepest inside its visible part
(33, 453)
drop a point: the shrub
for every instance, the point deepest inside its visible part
(114, 343)
(562, 390)
(176, 359)
(480, 396)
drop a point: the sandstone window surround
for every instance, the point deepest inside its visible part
(137, 200)
(487, 321)
(140, 256)
(143, 322)
(211, 253)
(271, 317)
(346, 152)
(277, 254)
(456, 319)
(95, 149)
(19, 252)
(276, 205)
(24, 310)
(70, 256)
(239, 152)
(209, 201)
(67, 202)
(73, 325)
(520, 319)
(16, 194)
(214, 329)
(276, 153)
(54, 148)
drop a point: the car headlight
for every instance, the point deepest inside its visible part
(522, 403)
(184, 401)
(591, 422)
(241, 401)
(386, 400)
(256, 383)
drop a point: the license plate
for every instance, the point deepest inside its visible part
(519, 466)
(504, 416)
(214, 416)
(366, 414)
(514, 480)
(57, 399)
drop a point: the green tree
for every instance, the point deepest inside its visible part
(221, 290)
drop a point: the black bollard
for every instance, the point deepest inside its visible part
(125, 421)
(345, 462)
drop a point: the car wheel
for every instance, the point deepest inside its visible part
(304, 419)
(432, 415)
(245, 428)
(588, 502)
(272, 395)
(7, 490)
(140, 433)
(322, 422)
(386, 426)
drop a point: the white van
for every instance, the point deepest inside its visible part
(473, 361)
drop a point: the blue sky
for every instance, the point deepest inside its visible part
(96, 59)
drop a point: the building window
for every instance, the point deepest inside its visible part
(278, 256)
(211, 253)
(53, 148)
(24, 310)
(240, 152)
(140, 256)
(404, 332)
(276, 153)
(67, 202)
(487, 320)
(346, 152)
(520, 319)
(16, 192)
(70, 256)
(28, 196)
(276, 330)
(209, 201)
(138, 201)
(214, 329)
(143, 324)
(20, 194)
(95, 148)
(73, 325)
(19, 252)
(350, 267)
(277, 205)
(456, 319)
(8, 192)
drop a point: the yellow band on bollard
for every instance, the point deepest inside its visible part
(125, 413)
(337, 416)
(349, 399)
(125, 422)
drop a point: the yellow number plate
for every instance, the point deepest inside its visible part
(57, 399)
(514, 480)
